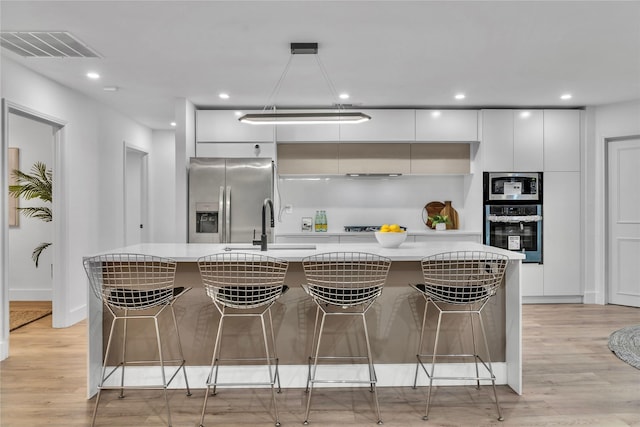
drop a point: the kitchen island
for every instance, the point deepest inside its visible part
(394, 320)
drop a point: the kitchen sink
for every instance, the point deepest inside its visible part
(274, 247)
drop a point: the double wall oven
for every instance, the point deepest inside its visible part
(513, 212)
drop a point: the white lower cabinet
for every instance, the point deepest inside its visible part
(310, 238)
(449, 237)
(532, 280)
(359, 238)
(561, 234)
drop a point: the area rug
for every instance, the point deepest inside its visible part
(625, 343)
(20, 318)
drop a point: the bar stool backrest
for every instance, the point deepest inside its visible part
(463, 277)
(131, 281)
(346, 278)
(242, 280)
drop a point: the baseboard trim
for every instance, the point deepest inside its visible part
(553, 300)
(593, 298)
(30, 295)
(295, 376)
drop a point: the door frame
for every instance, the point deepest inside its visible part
(144, 190)
(60, 250)
(607, 220)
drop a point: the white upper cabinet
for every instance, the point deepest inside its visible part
(512, 140)
(308, 133)
(385, 125)
(497, 140)
(562, 140)
(447, 125)
(223, 126)
(528, 140)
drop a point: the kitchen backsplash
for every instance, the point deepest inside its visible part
(365, 200)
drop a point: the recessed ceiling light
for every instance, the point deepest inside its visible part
(435, 114)
(173, 124)
(566, 96)
(525, 114)
(238, 113)
(344, 96)
(93, 75)
(460, 96)
(223, 95)
(111, 88)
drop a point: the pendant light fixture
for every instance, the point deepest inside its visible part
(272, 117)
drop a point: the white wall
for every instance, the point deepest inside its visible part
(26, 282)
(605, 122)
(89, 174)
(235, 149)
(366, 201)
(162, 188)
(185, 148)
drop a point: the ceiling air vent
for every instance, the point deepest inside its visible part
(45, 44)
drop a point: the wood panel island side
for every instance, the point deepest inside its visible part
(393, 322)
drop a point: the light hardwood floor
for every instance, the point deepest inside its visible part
(570, 378)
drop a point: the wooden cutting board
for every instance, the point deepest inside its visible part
(431, 209)
(450, 212)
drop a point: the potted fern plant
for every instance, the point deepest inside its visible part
(35, 185)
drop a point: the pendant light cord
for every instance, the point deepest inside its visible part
(327, 79)
(276, 88)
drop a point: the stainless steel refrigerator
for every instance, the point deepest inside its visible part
(226, 196)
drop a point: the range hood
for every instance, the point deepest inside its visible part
(372, 175)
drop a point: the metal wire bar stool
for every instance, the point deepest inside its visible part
(127, 284)
(343, 284)
(244, 285)
(459, 283)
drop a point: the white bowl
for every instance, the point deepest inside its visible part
(390, 240)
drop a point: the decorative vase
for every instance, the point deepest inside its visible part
(450, 213)
(441, 226)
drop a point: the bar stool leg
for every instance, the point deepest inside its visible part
(312, 378)
(104, 371)
(184, 370)
(275, 351)
(372, 374)
(433, 364)
(475, 350)
(95, 408)
(216, 355)
(271, 372)
(211, 385)
(124, 352)
(490, 365)
(313, 344)
(420, 342)
(161, 358)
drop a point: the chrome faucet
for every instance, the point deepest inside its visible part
(263, 237)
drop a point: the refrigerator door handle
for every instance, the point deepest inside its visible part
(227, 216)
(221, 209)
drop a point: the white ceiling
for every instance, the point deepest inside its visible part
(383, 53)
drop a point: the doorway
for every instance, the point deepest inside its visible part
(57, 251)
(30, 143)
(135, 196)
(623, 223)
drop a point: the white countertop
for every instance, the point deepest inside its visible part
(370, 233)
(295, 252)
